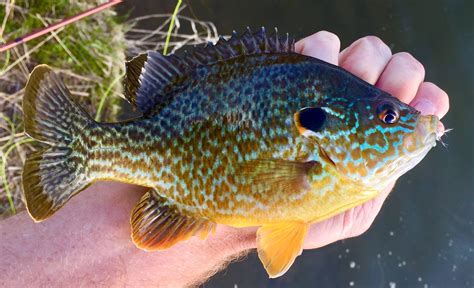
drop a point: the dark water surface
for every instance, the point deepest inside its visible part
(424, 235)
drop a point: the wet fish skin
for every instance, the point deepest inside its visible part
(243, 133)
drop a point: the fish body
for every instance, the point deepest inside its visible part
(243, 133)
(192, 149)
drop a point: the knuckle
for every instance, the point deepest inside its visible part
(444, 99)
(378, 44)
(374, 40)
(328, 36)
(411, 61)
(441, 97)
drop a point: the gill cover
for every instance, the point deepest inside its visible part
(367, 138)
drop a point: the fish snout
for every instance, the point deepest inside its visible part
(429, 129)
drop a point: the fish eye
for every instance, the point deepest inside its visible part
(312, 118)
(388, 113)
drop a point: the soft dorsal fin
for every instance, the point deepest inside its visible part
(151, 76)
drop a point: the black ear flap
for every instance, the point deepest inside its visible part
(310, 119)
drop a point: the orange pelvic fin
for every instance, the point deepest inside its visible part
(279, 244)
(157, 225)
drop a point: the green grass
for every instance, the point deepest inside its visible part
(170, 29)
(93, 47)
(90, 53)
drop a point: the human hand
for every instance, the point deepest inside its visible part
(402, 76)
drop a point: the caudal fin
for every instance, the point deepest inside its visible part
(52, 175)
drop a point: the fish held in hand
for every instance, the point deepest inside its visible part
(245, 132)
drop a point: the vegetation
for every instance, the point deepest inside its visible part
(90, 55)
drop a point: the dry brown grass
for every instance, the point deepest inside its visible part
(89, 54)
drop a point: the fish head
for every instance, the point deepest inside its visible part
(373, 140)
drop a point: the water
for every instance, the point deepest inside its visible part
(424, 235)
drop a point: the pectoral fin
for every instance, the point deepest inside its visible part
(276, 175)
(158, 225)
(279, 244)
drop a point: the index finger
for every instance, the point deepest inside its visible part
(323, 45)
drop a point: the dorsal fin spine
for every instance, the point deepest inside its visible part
(169, 64)
(153, 73)
(158, 72)
(257, 49)
(159, 64)
(277, 40)
(287, 42)
(267, 45)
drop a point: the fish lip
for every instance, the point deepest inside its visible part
(431, 130)
(430, 139)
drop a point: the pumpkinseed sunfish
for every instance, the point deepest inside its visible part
(245, 132)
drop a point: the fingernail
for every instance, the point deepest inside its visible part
(425, 107)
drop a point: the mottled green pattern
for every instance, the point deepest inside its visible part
(233, 112)
(192, 147)
(244, 133)
(221, 135)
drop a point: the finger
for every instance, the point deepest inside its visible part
(431, 100)
(323, 45)
(364, 215)
(350, 223)
(366, 58)
(402, 76)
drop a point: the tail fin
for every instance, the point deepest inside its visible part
(51, 176)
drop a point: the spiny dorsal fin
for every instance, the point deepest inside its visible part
(151, 76)
(158, 225)
(132, 77)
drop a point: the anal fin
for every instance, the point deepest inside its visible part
(278, 245)
(157, 225)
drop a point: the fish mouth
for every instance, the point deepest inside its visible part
(427, 132)
(430, 140)
(430, 129)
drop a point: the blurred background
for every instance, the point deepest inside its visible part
(424, 235)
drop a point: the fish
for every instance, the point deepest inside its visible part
(244, 132)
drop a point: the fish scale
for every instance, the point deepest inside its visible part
(245, 132)
(161, 130)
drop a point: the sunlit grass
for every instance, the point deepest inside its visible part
(170, 29)
(89, 53)
(90, 56)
